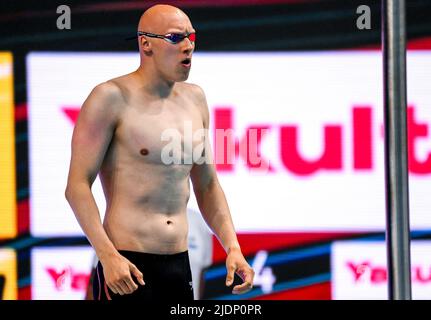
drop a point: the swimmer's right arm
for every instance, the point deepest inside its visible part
(91, 137)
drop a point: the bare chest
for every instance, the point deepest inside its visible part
(162, 134)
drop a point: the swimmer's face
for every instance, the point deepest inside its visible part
(169, 57)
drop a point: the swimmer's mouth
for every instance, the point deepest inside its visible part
(186, 62)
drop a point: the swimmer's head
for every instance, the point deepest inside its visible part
(162, 54)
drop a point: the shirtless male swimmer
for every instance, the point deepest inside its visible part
(142, 243)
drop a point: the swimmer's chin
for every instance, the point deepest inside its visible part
(183, 78)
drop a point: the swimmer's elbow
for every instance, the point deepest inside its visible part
(68, 193)
(74, 189)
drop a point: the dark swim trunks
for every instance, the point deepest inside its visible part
(167, 277)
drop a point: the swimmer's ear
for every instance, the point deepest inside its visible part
(146, 46)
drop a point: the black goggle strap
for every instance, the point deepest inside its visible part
(171, 37)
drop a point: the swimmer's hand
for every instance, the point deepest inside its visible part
(236, 263)
(118, 273)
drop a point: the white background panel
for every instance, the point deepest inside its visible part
(306, 90)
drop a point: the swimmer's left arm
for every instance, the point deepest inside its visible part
(215, 210)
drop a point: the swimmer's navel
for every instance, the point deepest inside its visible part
(168, 222)
(144, 151)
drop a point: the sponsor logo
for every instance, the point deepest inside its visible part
(360, 270)
(376, 274)
(247, 147)
(331, 157)
(68, 278)
(61, 272)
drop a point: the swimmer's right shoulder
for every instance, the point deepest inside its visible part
(105, 98)
(108, 90)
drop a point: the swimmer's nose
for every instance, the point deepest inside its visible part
(188, 47)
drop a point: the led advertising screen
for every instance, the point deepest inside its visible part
(61, 273)
(315, 121)
(359, 270)
(8, 221)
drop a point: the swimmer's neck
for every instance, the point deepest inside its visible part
(153, 84)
